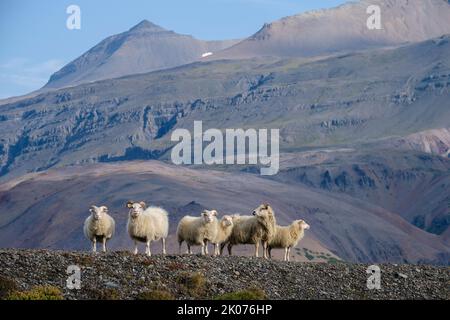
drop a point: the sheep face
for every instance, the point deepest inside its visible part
(98, 212)
(302, 225)
(263, 212)
(136, 208)
(227, 221)
(209, 215)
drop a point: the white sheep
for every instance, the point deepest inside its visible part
(253, 229)
(147, 225)
(224, 228)
(197, 230)
(99, 226)
(287, 237)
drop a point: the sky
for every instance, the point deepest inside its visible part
(35, 42)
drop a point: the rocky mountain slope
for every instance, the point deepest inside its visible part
(120, 275)
(412, 184)
(343, 100)
(145, 47)
(48, 210)
(344, 29)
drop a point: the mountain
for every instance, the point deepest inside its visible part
(409, 183)
(362, 135)
(145, 47)
(350, 99)
(345, 29)
(47, 210)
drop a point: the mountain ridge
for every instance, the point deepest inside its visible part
(143, 48)
(343, 29)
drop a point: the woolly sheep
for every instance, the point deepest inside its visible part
(197, 230)
(99, 226)
(253, 229)
(224, 228)
(287, 237)
(147, 225)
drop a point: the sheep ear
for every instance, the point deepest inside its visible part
(266, 205)
(143, 204)
(105, 209)
(130, 204)
(214, 212)
(92, 209)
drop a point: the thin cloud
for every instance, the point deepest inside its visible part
(23, 75)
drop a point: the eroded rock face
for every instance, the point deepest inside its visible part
(132, 118)
(410, 183)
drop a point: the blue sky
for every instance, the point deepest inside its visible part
(35, 41)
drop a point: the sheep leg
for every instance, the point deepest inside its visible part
(230, 246)
(135, 247)
(206, 247)
(164, 245)
(189, 248)
(286, 250)
(203, 249)
(104, 244)
(147, 249)
(289, 254)
(257, 249)
(94, 245)
(222, 246)
(216, 249)
(265, 255)
(269, 251)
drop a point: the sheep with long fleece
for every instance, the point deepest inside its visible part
(197, 231)
(147, 225)
(287, 237)
(224, 228)
(99, 226)
(256, 229)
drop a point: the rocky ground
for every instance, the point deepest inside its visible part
(120, 275)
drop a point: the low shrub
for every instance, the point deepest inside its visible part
(37, 293)
(248, 294)
(155, 295)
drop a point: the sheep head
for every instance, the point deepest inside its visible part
(226, 221)
(209, 215)
(98, 212)
(136, 208)
(263, 211)
(266, 217)
(302, 225)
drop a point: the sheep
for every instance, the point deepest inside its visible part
(197, 230)
(99, 226)
(224, 228)
(253, 229)
(287, 237)
(147, 225)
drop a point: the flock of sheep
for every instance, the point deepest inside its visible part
(152, 224)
